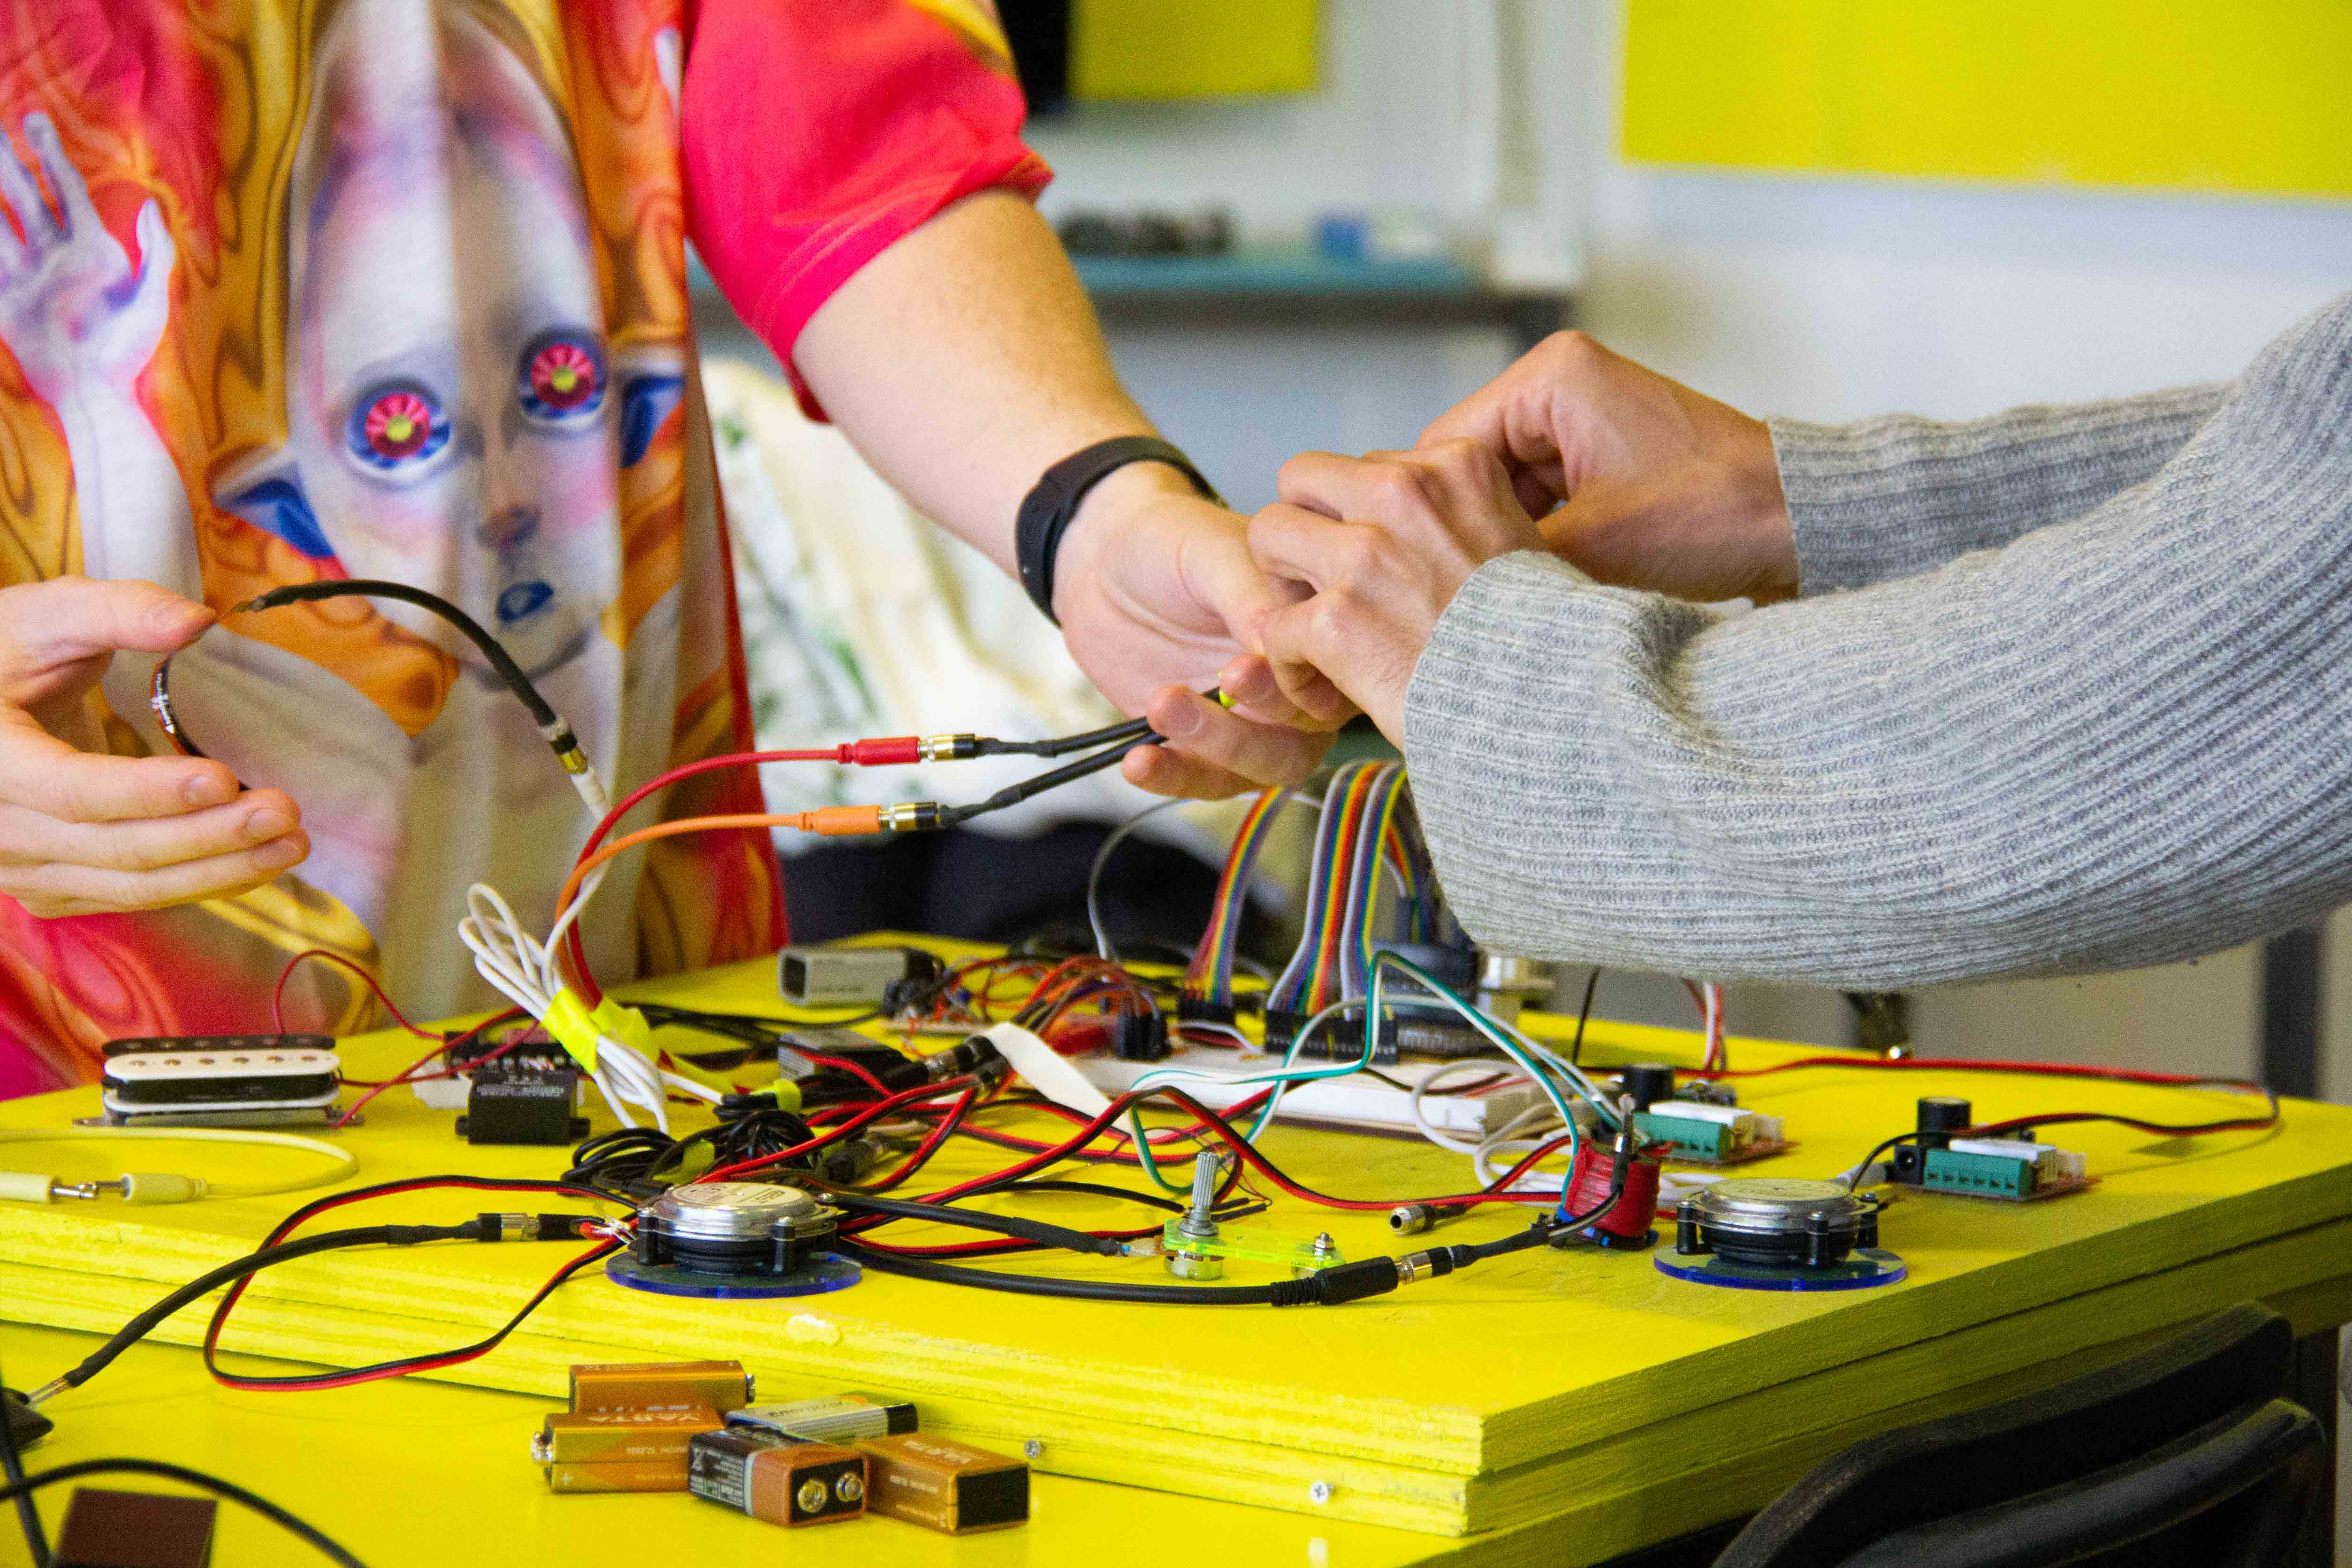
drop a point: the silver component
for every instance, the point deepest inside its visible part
(947, 748)
(1412, 1218)
(1195, 1265)
(1780, 1206)
(740, 1211)
(1201, 1219)
(910, 816)
(1319, 1493)
(541, 1450)
(1324, 1254)
(812, 1495)
(1034, 1449)
(1507, 983)
(1198, 1224)
(118, 1186)
(849, 1487)
(1415, 1266)
(515, 1227)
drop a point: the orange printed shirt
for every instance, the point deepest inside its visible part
(294, 290)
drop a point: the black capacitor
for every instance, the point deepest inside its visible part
(1648, 1082)
(1940, 1116)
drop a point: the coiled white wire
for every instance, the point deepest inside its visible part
(524, 971)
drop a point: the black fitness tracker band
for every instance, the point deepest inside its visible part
(1052, 501)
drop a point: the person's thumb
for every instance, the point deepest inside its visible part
(59, 633)
(1231, 582)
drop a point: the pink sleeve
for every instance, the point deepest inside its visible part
(815, 132)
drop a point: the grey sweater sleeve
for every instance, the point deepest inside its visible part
(1898, 495)
(2121, 740)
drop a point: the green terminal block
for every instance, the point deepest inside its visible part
(1989, 1176)
(1692, 1138)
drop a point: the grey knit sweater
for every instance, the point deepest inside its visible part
(2069, 689)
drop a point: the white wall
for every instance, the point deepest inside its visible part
(1831, 299)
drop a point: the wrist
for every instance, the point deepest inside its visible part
(1757, 497)
(1115, 499)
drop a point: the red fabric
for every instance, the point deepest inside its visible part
(815, 132)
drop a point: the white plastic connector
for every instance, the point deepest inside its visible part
(27, 1186)
(161, 1186)
(2039, 1155)
(2070, 1166)
(1732, 1116)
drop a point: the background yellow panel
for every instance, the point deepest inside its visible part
(2210, 95)
(1190, 48)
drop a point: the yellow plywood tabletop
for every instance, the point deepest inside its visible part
(1546, 1389)
(407, 1473)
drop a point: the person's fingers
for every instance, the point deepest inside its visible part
(72, 191)
(1307, 546)
(1164, 772)
(1340, 487)
(1251, 682)
(16, 187)
(54, 890)
(42, 774)
(1265, 753)
(147, 843)
(43, 625)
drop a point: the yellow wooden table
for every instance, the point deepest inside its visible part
(1546, 1407)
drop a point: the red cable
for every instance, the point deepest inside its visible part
(293, 1221)
(575, 948)
(509, 1016)
(278, 996)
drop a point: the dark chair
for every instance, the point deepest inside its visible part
(2176, 1455)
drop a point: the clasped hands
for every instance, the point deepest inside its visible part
(1634, 479)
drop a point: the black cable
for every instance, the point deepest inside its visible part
(551, 724)
(482, 1346)
(1035, 1231)
(1080, 1289)
(509, 672)
(138, 1328)
(12, 1466)
(311, 1534)
(1014, 794)
(1062, 746)
(1583, 1016)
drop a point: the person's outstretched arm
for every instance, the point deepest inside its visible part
(2118, 741)
(856, 182)
(1890, 497)
(1661, 488)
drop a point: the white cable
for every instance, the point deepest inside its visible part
(1439, 1135)
(29, 1186)
(524, 972)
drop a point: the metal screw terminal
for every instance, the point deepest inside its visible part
(1034, 1449)
(1319, 1493)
